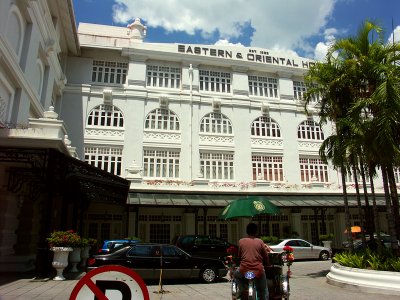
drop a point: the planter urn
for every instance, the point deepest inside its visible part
(327, 244)
(74, 259)
(84, 255)
(60, 260)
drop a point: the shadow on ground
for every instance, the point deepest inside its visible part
(181, 281)
(318, 274)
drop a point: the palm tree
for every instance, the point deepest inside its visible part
(361, 85)
(332, 149)
(377, 104)
(329, 82)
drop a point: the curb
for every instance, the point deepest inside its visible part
(370, 281)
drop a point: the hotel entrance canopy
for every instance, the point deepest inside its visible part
(218, 200)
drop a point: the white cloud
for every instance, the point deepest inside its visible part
(396, 34)
(321, 48)
(276, 24)
(225, 42)
(320, 51)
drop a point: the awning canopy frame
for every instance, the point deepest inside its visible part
(219, 200)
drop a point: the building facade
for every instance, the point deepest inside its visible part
(193, 127)
(44, 186)
(112, 136)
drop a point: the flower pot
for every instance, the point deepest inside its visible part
(74, 259)
(60, 260)
(84, 255)
(327, 244)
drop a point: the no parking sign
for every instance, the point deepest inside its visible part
(110, 282)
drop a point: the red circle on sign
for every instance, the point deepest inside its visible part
(86, 280)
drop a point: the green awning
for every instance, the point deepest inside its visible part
(217, 200)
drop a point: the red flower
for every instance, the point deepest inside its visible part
(288, 249)
(231, 250)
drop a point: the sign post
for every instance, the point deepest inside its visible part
(110, 282)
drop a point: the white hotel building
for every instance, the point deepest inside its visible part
(189, 128)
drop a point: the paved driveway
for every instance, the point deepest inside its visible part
(308, 282)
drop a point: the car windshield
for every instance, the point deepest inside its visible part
(118, 247)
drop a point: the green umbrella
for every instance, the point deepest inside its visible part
(249, 207)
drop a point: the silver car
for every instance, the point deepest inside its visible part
(303, 249)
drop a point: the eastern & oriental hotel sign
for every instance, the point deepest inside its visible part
(252, 55)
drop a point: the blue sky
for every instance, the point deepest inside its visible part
(305, 27)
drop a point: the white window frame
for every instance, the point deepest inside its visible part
(216, 123)
(110, 72)
(349, 177)
(299, 88)
(215, 81)
(162, 119)
(105, 115)
(263, 86)
(106, 158)
(163, 76)
(217, 165)
(161, 163)
(265, 127)
(310, 130)
(267, 167)
(313, 170)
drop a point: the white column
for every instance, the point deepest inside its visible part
(296, 223)
(340, 227)
(189, 223)
(131, 224)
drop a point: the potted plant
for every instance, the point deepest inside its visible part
(327, 239)
(61, 243)
(87, 244)
(75, 256)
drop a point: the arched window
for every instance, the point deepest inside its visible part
(105, 115)
(216, 123)
(265, 127)
(162, 119)
(310, 130)
(15, 29)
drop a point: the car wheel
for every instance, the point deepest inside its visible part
(324, 255)
(208, 275)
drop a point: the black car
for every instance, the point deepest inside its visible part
(204, 245)
(147, 259)
(108, 245)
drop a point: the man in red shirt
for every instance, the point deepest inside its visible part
(252, 256)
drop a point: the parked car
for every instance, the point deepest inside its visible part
(147, 259)
(302, 249)
(385, 240)
(111, 244)
(203, 245)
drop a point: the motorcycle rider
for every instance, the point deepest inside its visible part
(252, 255)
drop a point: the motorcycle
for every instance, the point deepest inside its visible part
(250, 290)
(278, 283)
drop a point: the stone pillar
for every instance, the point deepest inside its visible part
(340, 227)
(189, 224)
(132, 229)
(296, 222)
